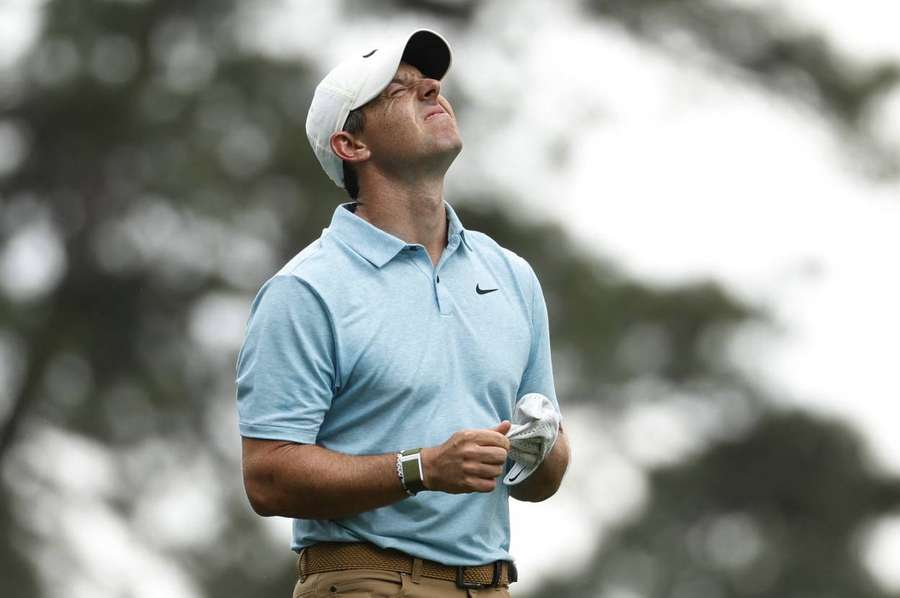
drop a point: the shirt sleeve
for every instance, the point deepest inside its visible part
(538, 376)
(286, 368)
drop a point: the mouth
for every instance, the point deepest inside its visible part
(436, 111)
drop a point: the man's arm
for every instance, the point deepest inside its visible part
(306, 481)
(545, 481)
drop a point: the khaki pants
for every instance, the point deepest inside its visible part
(373, 583)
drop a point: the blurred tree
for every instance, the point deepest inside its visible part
(167, 175)
(777, 512)
(165, 160)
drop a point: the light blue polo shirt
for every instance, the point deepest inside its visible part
(359, 344)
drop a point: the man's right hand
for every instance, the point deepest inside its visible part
(469, 461)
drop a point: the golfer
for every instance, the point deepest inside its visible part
(383, 366)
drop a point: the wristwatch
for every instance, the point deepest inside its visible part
(410, 470)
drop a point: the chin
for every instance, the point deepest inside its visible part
(451, 142)
(451, 150)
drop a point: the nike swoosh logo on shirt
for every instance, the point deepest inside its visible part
(481, 291)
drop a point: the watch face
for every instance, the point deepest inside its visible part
(412, 474)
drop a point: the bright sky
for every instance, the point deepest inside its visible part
(745, 188)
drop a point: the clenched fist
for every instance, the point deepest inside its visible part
(469, 461)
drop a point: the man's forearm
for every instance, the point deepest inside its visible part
(545, 481)
(306, 481)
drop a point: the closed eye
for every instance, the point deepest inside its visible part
(396, 89)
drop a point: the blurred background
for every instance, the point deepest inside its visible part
(708, 190)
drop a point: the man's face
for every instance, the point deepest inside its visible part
(410, 123)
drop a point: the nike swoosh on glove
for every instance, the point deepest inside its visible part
(535, 426)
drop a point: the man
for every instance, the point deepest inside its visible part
(383, 363)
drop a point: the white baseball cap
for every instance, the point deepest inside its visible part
(360, 79)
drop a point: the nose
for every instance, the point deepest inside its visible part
(429, 89)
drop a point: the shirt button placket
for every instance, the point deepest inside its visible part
(443, 296)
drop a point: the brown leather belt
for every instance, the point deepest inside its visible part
(342, 556)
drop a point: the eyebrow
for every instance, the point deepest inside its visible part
(405, 78)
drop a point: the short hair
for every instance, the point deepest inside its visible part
(354, 124)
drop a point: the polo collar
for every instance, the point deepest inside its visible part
(456, 228)
(378, 246)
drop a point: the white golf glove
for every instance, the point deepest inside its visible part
(535, 426)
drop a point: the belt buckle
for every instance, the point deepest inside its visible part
(463, 584)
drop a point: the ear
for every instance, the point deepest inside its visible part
(349, 148)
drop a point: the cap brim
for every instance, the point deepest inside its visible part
(428, 52)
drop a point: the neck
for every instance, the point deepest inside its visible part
(412, 211)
